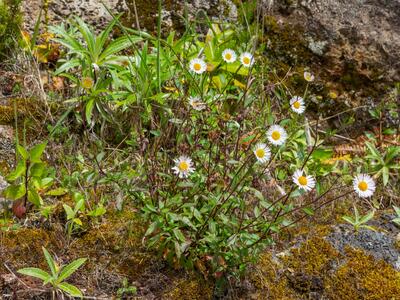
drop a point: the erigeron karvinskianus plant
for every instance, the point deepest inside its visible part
(241, 169)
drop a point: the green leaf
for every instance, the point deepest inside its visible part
(377, 155)
(57, 192)
(392, 153)
(77, 221)
(385, 175)
(116, 46)
(50, 262)
(15, 192)
(368, 227)
(23, 152)
(397, 210)
(37, 151)
(35, 272)
(68, 210)
(349, 219)
(309, 211)
(71, 268)
(70, 64)
(89, 109)
(79, 205)
(37, 169)
(151, 228)
(236, 68)
(18, 172)
(179, 235)
(70, 289)
(46, 182)
(34, 197)
(367, 217)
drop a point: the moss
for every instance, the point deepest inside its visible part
(116, 242)
(24, 247)
(269, 282)
(314, 257)
(363, 277)
(316, 268)
(147, 13)
(6, 114)
(191, 288)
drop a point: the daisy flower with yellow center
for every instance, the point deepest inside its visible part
(364, 185)
(87, 83)
(183, 166)
(297, 104)
(229, 56)
(198, 66)
(304, 182)
(308, 76)
(196, 103)
(262, 152)
(247, 59)
(276, 135)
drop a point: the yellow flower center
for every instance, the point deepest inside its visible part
(303, 180)
(260, 153)
(87, 83)
(228, 56)
(363, 186)
(276, 135)
(296, 105)
(183, 166)
(246, 60)
(197, 66)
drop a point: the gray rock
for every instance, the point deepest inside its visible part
(377, 243)
(94, 12)
(361, 34)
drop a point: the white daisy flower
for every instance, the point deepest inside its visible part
(364, 185)
(304, 182)
(297, 104)
(229, 55)
(308, 76)
(247, 59)
(183, 166)
(262, 152)
(196, 103)
(197, 65)
(277, 135)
